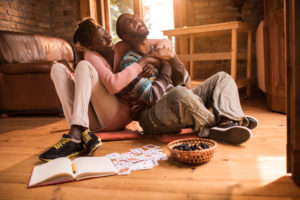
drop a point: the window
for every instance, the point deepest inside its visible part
(117, 7)
(158, 15)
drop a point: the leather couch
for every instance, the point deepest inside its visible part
(25, 64)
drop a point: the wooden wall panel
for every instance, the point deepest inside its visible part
(181, 20)
(293, 64)
(84, 9)
(275, 60)
(139, 8)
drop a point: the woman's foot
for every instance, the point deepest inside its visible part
(91, 141)
(75, 131)
(66, 147)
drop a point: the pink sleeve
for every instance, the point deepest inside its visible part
(114, 83)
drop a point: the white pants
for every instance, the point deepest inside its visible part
(85, 100)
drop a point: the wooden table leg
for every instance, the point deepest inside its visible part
(191, 56)
(233, 53)
(249, 63)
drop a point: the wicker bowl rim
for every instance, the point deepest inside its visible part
(192, 157)
(171, 144)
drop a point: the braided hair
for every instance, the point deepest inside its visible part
(85, 31)
(83, 36)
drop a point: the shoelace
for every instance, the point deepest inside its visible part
(61, 143)
(86, 137)
(228, 123)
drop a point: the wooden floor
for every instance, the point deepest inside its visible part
(254, 170)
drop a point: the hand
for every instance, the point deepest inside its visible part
(149, 60)
(163, 54)
(164, 44)
(148, 71)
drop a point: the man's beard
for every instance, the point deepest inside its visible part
(139, 35)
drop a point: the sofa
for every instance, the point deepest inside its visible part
(25, 64)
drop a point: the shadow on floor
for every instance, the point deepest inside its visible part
(8, 124)
(283, 187)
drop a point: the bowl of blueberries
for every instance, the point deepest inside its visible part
(193, 151)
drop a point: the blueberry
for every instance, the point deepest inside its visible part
(204, 145)
(195, 146)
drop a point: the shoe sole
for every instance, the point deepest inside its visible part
(94, 149)
(254, 124)
(235, 135)
(69, 156)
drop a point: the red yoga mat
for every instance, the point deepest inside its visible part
(130, 132)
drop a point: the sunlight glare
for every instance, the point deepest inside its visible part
(271, 167)
(161, 17)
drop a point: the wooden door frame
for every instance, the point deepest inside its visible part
(293, 90)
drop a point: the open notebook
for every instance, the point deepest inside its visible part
(64, 169)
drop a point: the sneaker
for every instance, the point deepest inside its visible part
(252, 122)
(231, 132)
(66, 147)
(91, 141)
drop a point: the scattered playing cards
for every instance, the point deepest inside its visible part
(142, 158)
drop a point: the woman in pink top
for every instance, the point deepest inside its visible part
(87, 96)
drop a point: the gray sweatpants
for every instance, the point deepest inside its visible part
(181, 107)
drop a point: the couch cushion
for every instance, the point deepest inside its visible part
(27, 48)
(18, 48)
(52, 48)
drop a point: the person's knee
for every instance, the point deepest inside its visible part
(181, 100)
(57, 69)
(178, 91)
(179, 94)
(84, 65)
(223, 74)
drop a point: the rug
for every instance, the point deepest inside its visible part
(131, 132)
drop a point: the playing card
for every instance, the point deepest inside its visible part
(146, 164)
(113, 156)
(150, 146)
(124, 171)
(137, 150)
(155, 163)
(137, 159)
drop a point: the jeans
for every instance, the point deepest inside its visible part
(181, 107)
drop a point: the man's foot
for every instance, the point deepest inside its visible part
(66, 147)
(91, 142)
(231, 133)
(252, 122)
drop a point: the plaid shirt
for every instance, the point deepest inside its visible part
(144, 92)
